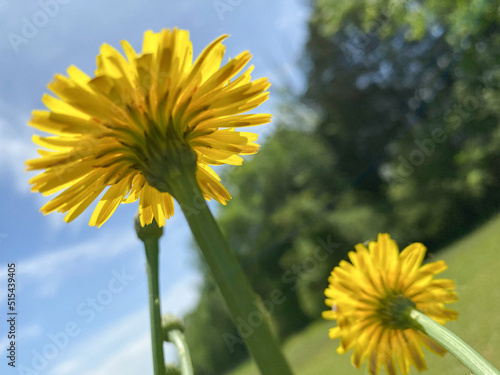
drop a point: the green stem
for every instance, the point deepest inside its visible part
(177, 338)
(454, 344)
(152, 253)
(229, 276)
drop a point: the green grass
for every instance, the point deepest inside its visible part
(474, 264)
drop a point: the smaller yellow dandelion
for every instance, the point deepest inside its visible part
(370, 298)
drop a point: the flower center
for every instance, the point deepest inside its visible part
(394, 310)
(166, 157)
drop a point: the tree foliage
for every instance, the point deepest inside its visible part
(397, 131)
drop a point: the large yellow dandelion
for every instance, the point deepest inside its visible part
(370, 299)
(118, 132)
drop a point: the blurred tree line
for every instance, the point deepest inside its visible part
(397, 131)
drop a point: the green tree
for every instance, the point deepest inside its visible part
(397, 131)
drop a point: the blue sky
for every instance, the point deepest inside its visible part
(82, 291)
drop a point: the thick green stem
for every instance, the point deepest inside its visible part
(152, 253)
(231, 280)
(454, 344)
(177, 338)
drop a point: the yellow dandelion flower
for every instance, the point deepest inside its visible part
(119, 131)
(370, 299)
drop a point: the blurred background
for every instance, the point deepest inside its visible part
(386, 119)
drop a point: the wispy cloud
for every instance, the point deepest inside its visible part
(182, 296)
(16, 148)
(68, 367)
(48, 271)
(29, 332)
(133, 358)
(47, 264)
(124, 347)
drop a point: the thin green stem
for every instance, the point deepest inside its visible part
(454, 344)
(177, 338)
(152, 254)
(230, 278)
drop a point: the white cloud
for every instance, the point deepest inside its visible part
(16, 149)
(293, 16)
(29, 332)
(181, 297)
(134, 358)
(48, 264)
(67, 367)
(124, 347)
(4, 5)
(48, 271)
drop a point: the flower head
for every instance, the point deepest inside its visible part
(371, 297)
(141, 115)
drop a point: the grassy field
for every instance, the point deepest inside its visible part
(474, 264)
